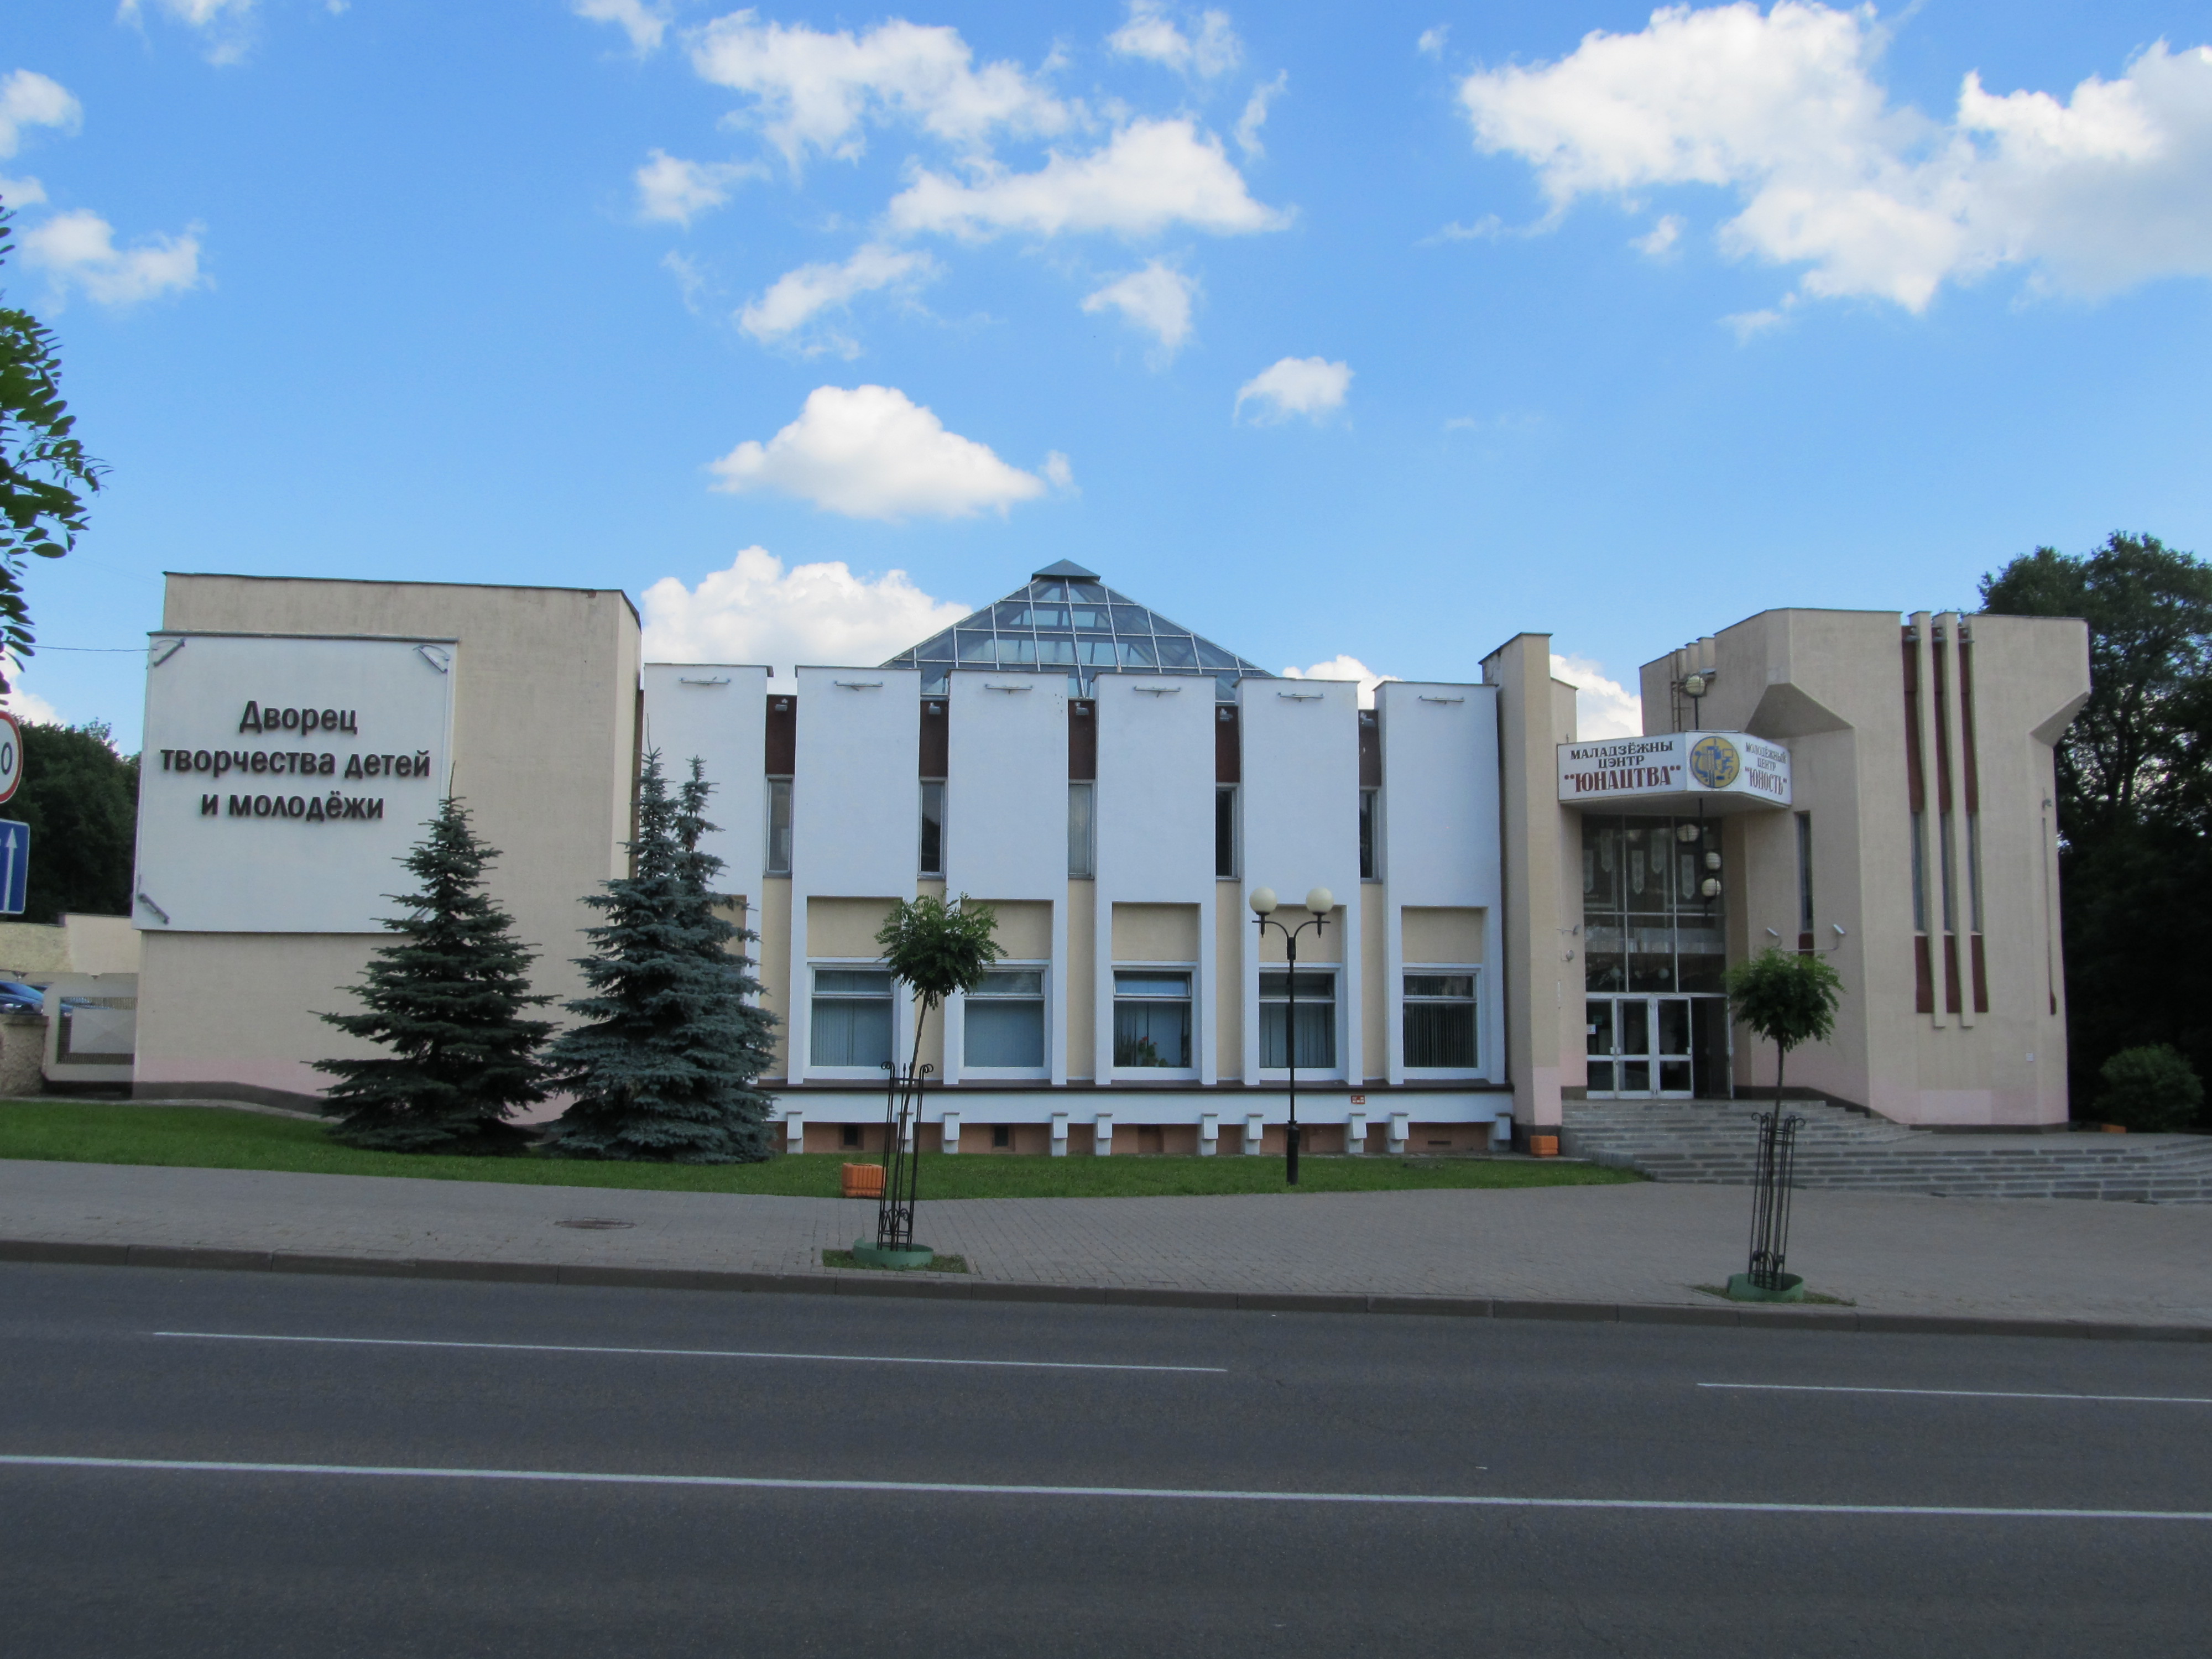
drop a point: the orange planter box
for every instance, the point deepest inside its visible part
(1544, 1145)
(863, 1180)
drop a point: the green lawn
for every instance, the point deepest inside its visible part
(214, 1138)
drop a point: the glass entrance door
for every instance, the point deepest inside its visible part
(1640, 1048)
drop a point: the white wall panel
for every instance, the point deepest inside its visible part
(1301, 811)
(1155, 829)
(855, 806)
(1005, 818)
(718, 713)
(1440, 843)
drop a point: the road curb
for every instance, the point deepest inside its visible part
(949, 1288)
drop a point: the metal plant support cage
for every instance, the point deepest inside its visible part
(901, 1155)
(1770, 1208)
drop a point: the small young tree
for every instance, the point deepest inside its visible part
(1786, 998)
(662, 1066)
(448, 1001)
(933, 949)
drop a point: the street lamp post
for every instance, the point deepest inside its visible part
(1321, 901)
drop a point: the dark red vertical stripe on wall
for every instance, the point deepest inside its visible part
(1082, 739)
(1228, 750)
(1923, 977)
(1967, 723)
(1951, 973)
(1982, 978)
(936, 735)
(1915, 780)
(1936, 654)
(782, 736)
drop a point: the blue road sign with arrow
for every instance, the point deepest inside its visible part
(14, 865)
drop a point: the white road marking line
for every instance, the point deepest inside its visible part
(965, 1489)
(1968, 1393)
(693, 1353)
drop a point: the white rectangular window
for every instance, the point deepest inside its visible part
(1440, 1020)
(1003, 1025)
(1316, 1018)
(1082, 821)
(933, 828)
(778, 826)
(852, 1017)
(1151, 1019)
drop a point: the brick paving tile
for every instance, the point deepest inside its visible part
(1645, 1244)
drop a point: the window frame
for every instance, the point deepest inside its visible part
(1089, 872)
(1229, 838)
(1262, 1002)
(922, 827)
(1473, 970)
(1119, 1073)
(1013, 1073)
(1371, 833)
(847, 965)
(778, 786)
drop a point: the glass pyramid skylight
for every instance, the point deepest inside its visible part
(1065, 622)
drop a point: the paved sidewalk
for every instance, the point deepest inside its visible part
(2014, 1259)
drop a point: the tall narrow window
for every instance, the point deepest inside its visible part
(1224, 831)
(1082, 823)
(1439, 1024)
(852, 1023)
(1151, 1019)
(1003, 1023)
(1317, 1024)
(1804, 872)
(1370, 809)
(933, 828)
(778, 826)
(1946, 863)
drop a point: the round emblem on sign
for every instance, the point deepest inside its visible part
(1714, 763)
(11, 756)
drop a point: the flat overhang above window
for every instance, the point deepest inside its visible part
(1676, 772)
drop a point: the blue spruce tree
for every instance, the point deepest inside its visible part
(662, 1067)
(447, 1001)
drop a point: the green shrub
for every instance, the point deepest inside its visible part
(2150, 1088)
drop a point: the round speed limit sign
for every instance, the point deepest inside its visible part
(11, 756)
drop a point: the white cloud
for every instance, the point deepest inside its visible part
(78, 249)
(223, 22)
(673, 189)
(1659, 241)
(645, 25)
(872, 453)
(1255, 115)
(1344, 668)
(689, 277)
(1151, 175)
(20, 192)
(24, 705)
(1604, 708)
(1295, 386)
(797, 296)
(29, 99)
(757, 612)
(1151, 32)
(1156, 298)
(815, 90)
(2111, 188)
(1431, 43)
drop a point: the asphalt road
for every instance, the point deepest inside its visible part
(1188, 1482)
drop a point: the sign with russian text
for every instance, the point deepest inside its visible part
(283, 778)
(1740, 768)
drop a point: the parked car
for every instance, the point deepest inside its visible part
(17, 997)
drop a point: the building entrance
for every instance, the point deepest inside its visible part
(1662, 1047)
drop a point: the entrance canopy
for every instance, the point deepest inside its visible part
(1675, 772)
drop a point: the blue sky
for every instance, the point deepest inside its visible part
(1381, 335)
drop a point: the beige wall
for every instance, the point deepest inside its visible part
(774, 926)
(1230, 927)
(1374, 979)
(1079, 999)
(1830, 684)
(1155, 933)
(1543, 988)
(545, 753)
(1452, 936)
